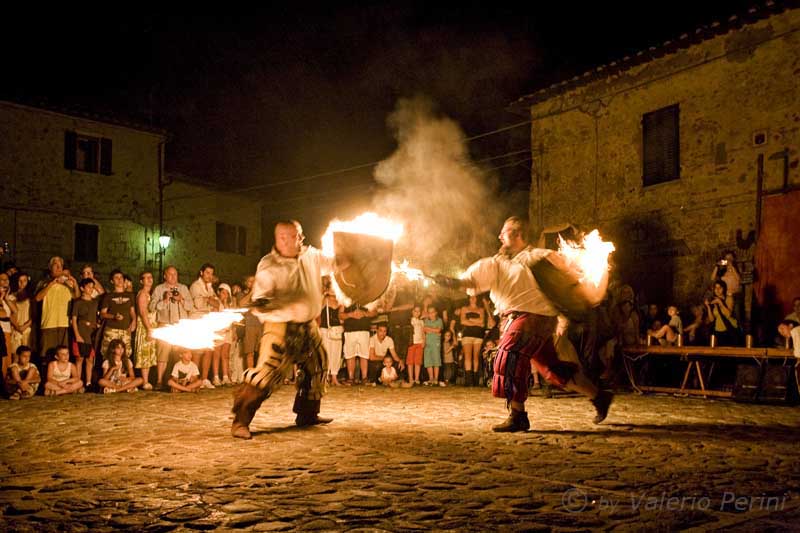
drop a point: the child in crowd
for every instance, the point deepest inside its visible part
(448, 357)
(84, 323)
(388, 373)
(668, 334)
(488, 355)
(433, 346)
(415, 349)
(23, 377)
(118, 373)
(185, 374)
(62, 376)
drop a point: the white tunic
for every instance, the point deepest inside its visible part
(293, 284)
(510, 282)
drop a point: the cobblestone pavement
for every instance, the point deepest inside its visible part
(396, 460)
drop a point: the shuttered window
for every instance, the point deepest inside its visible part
(87, 153)
(231, 239)
(660, 146)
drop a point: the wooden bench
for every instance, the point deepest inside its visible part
(694, 356)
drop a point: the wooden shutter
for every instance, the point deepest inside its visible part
(105, 156)
(70, 146)
(660, 146)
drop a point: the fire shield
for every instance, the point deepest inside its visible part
(363, 265)
(562, 285)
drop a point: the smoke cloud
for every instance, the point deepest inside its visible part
(447, 204)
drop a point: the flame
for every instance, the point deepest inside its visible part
(199, 333)
(413, 274)
(366, 223)
(590, 257)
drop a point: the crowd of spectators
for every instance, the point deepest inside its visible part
(86, 336)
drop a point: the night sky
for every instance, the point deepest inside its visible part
(251, 98)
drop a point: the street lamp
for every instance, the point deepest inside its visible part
(163, 242)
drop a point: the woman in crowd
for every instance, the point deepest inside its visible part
(21, 319)
(145, 343)
(7, 307)
(331, 331)
(720, 312)
(473, 322)
(697, 332)
(222, 350)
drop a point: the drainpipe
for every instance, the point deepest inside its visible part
(759, 193)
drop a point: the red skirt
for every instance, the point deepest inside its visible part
(526, 341)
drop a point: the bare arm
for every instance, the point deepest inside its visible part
(132, 327)
(74, 321)
(142, 303)
(43, 291)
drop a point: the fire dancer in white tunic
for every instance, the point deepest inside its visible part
(529, 320)
(288, 286)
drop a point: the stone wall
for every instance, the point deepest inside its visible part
(587, 151)
(191, 212)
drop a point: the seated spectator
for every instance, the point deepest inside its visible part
(725, 270)
(653, 319)
(185, 374)
(789, 329)
(23, 377)
(380, 345)
(388, 374)
(668, 334)
(697, 332)
(720, 312)
(118, 375)
(795, 314)
(62, 376)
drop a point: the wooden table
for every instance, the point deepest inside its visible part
(694, 355)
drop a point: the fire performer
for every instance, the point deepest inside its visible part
(529, 324)
(288, 289)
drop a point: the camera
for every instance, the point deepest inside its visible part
(174, 291)
(722, 262)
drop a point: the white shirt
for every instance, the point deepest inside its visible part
(419, 332)
(292, 284)
(381, 347)
(188, 369)
(510, 282)
(795, 335)
(200, 291)
(388, 373)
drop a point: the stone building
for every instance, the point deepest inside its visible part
(87, 188)
(679, 153)
(78, 186)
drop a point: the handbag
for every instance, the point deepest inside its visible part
(334, 332)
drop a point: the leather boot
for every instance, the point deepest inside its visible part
(470, 380)
(516, 421)
(601, 404)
